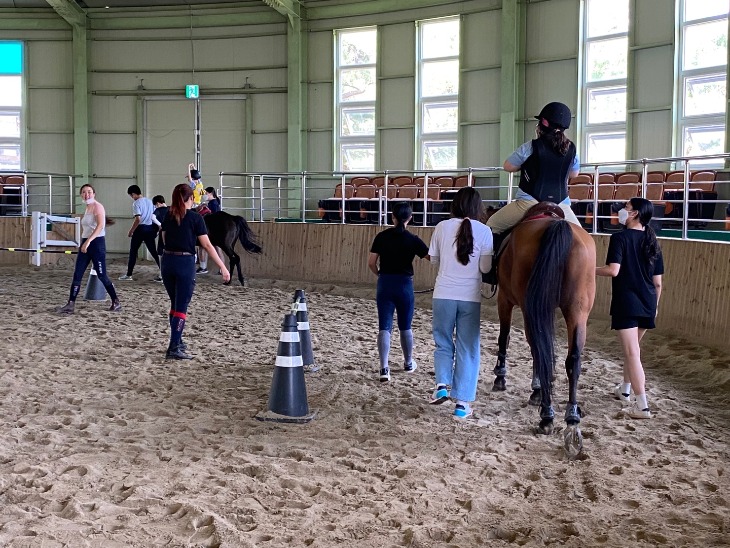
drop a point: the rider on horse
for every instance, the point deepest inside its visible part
(545, 164)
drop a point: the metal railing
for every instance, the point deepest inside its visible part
(39, 191)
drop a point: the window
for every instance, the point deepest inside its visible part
(702, 79)
(11, 103)
(355, 79)
(437, 92)
(605, 52)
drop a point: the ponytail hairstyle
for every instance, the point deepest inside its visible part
(554, 136)
(180, 196)
(402, 212)
(211, 190)
(467, 205)
(650, 245)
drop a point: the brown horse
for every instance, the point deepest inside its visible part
(547, 263)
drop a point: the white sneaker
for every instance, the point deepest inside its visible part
(635, 413)
(126, 278)
(411, 367)
(620, 396)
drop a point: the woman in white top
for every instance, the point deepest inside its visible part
(92, 250)
(462, 247)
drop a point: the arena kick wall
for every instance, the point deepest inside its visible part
(695, 301)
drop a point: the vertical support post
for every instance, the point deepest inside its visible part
(50, 194)
(685, 200)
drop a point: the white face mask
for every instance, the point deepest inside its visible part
(90, 201)
(623, 216)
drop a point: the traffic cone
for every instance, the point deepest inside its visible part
(95, 290)
(305, 335)
(288, 395)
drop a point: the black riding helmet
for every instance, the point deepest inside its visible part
(557, 115)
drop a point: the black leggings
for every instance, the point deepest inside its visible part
(142, 234)
(95, 254)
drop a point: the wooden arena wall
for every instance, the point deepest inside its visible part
(695, 301)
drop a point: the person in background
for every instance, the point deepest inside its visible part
(462, 248)
(181, 230)
(213, 205)
(213, 201)
(92, 250)
(158, 215)
(195, 182)
(634, 262)
(142, 230)
(394, 250)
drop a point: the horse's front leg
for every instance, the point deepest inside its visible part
(504, 307)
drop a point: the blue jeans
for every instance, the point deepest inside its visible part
(394, 294)
(457, 364)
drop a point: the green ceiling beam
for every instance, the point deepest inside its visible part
(70, 11)
(349, 9)
(38, 19)
(291, 9)
(157, 21)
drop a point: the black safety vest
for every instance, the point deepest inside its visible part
(544, 175)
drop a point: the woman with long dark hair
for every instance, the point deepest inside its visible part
(634, 261)
(181, 230)
(92, 250)
(462, 247)
(394, 250)
(545, 163)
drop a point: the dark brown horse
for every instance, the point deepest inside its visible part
(224, 230)
(547, 263)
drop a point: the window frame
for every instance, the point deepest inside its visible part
(17, 110)
(591, 130)
(343, 143)
(701, 122)
(438, 138)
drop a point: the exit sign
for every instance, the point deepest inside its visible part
(192, 91)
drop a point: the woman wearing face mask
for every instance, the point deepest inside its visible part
(92, 250)
(635, 263)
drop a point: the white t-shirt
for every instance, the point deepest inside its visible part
(456, 281)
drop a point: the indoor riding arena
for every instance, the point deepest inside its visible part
(311, 119)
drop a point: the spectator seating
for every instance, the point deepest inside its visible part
(11, 187)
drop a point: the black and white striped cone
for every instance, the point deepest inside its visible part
(95, 290)
(305, 335)
(288, 395)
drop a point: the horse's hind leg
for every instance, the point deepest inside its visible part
(236, 260)
(576, 342)
(504, 307)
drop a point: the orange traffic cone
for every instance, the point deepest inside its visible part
(288, 395)
(95, 290)
(305, 335)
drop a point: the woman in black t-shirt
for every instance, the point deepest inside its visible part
(395, 248)
(635, 263)
(181, 230)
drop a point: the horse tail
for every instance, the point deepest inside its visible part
(246, 236)
(543, 297)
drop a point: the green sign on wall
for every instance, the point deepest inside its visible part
(192, 91)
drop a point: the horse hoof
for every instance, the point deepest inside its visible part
(500, 385)
(545, 427)
(535, 398)
(573, 441)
